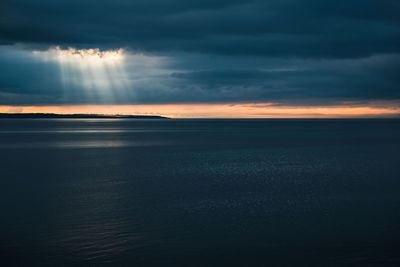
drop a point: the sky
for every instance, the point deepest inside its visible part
(206, 58)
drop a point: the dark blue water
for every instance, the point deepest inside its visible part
(199, 192)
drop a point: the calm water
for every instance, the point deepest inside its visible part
(199, 192)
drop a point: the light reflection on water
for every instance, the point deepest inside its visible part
(82, 144)
(94, 131)
(199, 193)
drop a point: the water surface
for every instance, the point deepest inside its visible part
(126, 192)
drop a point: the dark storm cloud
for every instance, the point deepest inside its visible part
(371, 78)
(25, 80)
(308, 28)
(285, 51)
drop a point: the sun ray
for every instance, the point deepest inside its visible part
(101, 74)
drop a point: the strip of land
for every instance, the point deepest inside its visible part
(73, 116)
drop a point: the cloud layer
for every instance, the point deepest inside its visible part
(176, 51)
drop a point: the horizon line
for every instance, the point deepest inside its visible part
(223, 111)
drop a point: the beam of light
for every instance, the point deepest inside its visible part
(101, 74)
(233, 110)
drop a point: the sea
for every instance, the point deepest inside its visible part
(199, 192)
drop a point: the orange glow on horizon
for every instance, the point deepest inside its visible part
(237, 110)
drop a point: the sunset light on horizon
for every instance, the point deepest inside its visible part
(237, 110)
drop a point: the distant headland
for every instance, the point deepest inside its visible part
(74, 116)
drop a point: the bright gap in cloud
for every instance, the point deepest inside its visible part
(96, 54)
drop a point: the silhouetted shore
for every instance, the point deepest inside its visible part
(73, 116)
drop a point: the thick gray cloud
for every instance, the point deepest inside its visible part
(285, 51)
(308, 28)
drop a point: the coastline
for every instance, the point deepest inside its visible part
(74, 116)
